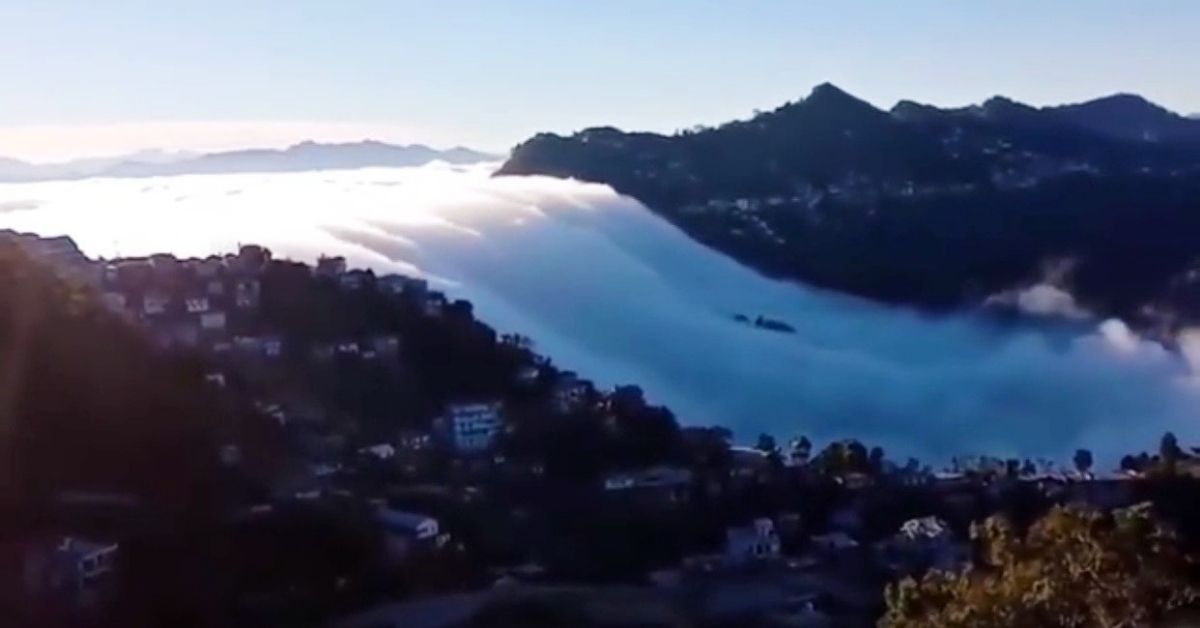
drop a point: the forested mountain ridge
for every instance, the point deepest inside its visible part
(923, 205)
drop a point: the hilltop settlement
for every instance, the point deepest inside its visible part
(244, 440)
(834, 191)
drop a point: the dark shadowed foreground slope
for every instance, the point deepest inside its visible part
(90, 416)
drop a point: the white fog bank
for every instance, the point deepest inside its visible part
(606, 288)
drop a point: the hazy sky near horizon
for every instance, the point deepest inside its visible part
(82, 77)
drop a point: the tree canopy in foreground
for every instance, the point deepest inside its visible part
(1074, 567)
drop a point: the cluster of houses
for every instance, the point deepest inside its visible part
(210, 307)
(827, 556)
(210, 304)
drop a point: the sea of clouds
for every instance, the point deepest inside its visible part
(606, 288)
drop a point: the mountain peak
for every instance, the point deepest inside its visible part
(830, 93)
(828, 99)
(1003, 105)
(915, 111)
(1132, 117)
(1125, 98)
(1126, 103)
(827, 88)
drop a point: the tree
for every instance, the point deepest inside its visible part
(801, 449)
(856, 455)
(520, 341)
(1074, 567)
(832, 459)
(1168, 450)
(1083, 461)
(1012, 468)
(1028, 468)
(876, 459)
(766, 444)
(708, 447)
(1129, 463)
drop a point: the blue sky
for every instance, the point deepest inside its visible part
(81, 76)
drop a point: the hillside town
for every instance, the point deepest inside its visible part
(386, 458)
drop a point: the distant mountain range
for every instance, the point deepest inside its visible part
(300, 157)
(14, 170)
(940, 207)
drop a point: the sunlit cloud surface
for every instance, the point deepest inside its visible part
(606, 288)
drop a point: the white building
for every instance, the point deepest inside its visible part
(382, 451)
(248, 344)
(923, 528)
(833, 542)
(354, 279)
(196, 305)
(330, 266)
(247, 293)
(924, 543)
(399, 284)
(433, 305)
(528, 374)
(658, 478)
(390, 284)
(212, 321)
(154, 304)
(570, 392)
(474, 426)
(413, 439)
(272, 347)
(386, 344)
(757, 541)
(405, 531)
